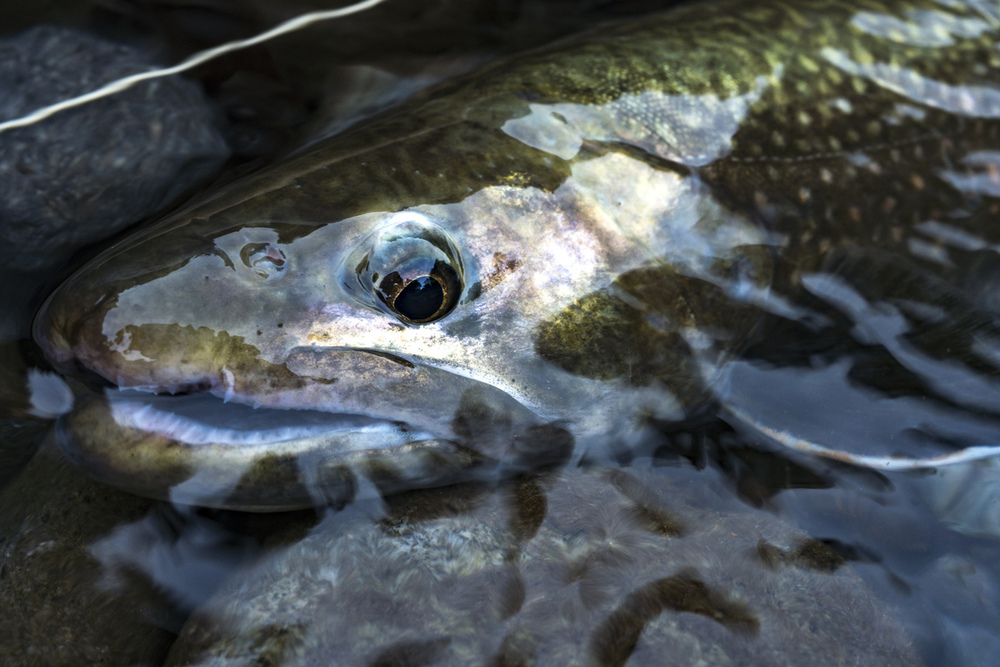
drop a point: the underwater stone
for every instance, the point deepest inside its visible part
(59, 606)
(574, 568)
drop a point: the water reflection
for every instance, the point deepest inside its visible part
(707, 543)
(542, 566)
(565, 568)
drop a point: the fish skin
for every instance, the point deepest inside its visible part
(620, 203)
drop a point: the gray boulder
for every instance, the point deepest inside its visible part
(88, 172)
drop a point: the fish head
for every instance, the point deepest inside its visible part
(413, 310)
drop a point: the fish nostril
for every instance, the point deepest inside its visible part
(264, 259)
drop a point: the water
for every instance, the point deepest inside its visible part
(721, 532)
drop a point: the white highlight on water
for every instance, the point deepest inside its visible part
(49, 394)
(884, 463)
(117, 86)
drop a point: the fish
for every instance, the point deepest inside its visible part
(534, 263)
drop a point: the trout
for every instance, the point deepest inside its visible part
(529, 264)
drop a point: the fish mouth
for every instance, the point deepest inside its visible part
(197, 449)
(201, 418)
(200, 448)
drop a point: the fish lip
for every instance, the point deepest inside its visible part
(291, 471)
(150, 408)
(175, 418)
(132, 438)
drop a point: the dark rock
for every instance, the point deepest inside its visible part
(88, 172)
(19, 440)
(60, 605)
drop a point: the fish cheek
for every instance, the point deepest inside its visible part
(504, 432)
(189, 354)
(633, 330)
(602, 337)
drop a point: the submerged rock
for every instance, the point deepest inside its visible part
(59, 606)
(19, 440)
(595, 567)
(86, 173)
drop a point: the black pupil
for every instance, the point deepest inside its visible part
(420, 299)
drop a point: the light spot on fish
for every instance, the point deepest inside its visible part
(842, 104)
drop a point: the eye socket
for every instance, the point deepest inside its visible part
(410, 268)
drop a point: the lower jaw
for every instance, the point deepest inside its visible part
(165, 447)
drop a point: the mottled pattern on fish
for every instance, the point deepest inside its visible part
(613, 210)
(814, 95)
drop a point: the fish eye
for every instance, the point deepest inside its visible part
(409, 267)
(421, 296)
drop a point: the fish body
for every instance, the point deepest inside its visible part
(527, 263)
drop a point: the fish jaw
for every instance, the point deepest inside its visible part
(265, 452)
(210, 422)
(132, 441)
